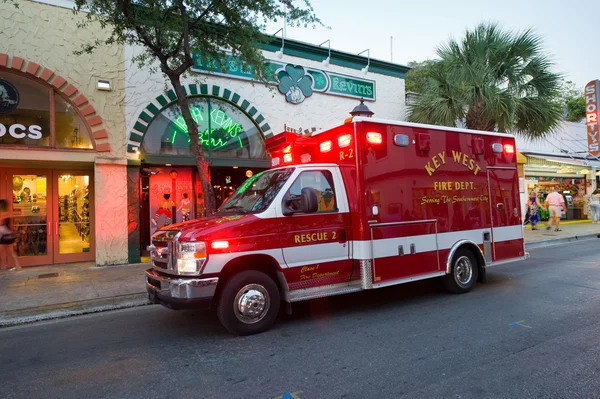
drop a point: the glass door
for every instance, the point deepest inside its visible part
(31, 208)
(73, 217)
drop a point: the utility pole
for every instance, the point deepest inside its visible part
(391, 48)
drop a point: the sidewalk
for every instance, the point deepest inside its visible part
(50, 292)
(571, 231)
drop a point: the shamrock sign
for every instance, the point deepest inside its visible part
(295, 84)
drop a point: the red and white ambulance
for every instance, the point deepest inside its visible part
(368, 204)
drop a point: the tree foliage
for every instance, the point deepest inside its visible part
(418, 76)
(173, 32)
(572, 101)
(492, 79)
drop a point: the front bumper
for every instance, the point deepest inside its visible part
(180, 292)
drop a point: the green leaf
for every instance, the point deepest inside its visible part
(305, 84)
(285, 84)
(296, 72)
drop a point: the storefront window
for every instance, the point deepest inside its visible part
(70, 129)
(24, 111)
(224, 130)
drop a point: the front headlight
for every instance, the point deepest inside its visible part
(191, 257)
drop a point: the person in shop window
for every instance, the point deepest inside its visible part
(185, 208)
(7, 239)
(165, 209)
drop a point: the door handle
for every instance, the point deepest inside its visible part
(500, 206)
(343, 236)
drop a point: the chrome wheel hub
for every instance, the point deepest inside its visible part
(251, 303)
(463, 270)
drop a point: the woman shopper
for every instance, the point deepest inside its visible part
(595, 206)
(532, 210)
(7, 239)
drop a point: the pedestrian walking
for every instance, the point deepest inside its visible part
(532, 216)
(556, 203)
(595, 206)
(7, 239)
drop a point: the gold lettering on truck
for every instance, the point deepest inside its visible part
(312, 237)
(438, 161)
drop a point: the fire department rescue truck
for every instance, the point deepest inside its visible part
(368, 204)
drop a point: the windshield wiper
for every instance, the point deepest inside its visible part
(236, 208)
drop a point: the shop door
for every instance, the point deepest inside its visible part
(29, 194)
(52, 215)
(73, 229)
(504, 204)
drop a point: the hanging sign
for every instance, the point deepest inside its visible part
(592, 91)
(296, 82)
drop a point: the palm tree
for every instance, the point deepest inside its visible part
(492, 80)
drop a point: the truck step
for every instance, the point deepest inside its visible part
(324, 291)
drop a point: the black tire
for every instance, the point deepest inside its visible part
(261, 296)
(463, 273)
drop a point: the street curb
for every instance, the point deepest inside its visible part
(78, 308)
(549, 243)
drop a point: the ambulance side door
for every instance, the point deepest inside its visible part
(507, 232)
(316, 245)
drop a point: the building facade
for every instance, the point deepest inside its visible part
(62, 163)
(96, 154)
(563, 160)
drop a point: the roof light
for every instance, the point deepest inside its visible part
(345, 140)
(509, 148)
(326, 146)
(497, 148)
(374, 138)
(275, 161)
(287, 149)
(287, 158)
(220, 245)
(305, 158)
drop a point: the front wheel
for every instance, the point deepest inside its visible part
(463, 274)
(249, 303)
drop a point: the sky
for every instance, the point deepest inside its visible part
(569, 28)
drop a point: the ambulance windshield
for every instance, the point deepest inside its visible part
(257, 193)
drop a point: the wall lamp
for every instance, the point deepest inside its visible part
(328, 59)
(366, 68)
(279, 53)
(103, 84)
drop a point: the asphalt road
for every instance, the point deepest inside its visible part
(532, 332)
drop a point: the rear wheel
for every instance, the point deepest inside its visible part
(463, 273)
(249, 303)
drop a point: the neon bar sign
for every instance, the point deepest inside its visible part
(222, 129)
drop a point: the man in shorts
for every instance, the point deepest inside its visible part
(556, 204)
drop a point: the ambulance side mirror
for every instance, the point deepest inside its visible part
(307, 203)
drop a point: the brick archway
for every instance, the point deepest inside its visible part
(88, 113)
(152, 110)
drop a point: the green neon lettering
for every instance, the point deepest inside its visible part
(214, 138)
